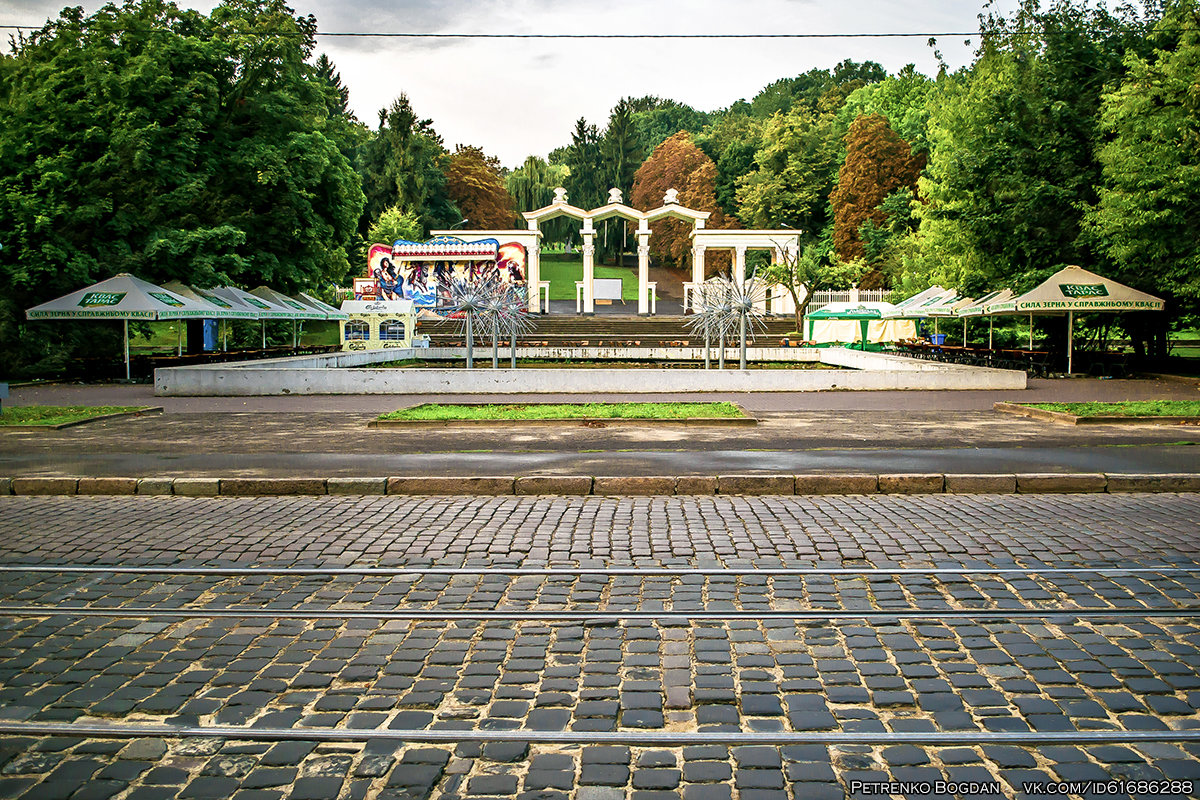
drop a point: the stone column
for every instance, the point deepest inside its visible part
(739, 265)
(533, 276)
(589, 268)
(778, 291)
(643, 272)
(697, 272)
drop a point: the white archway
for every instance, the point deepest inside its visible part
(780, 243)
(614, 208)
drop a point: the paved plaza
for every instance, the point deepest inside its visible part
(695, 647)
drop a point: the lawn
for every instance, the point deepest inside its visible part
(562, 271)
(435, 411)
(57, 415)
(1138, 408)
(163, 336)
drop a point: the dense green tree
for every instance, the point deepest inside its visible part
(657, 119)
(1012, 164)
(794, 171)
(532, 187)
(901, 98)
(679, 164)
(584, 159)
(1149, 197)
(338, 102)
(169, 144)
(403, 164)
(731, 141)
(393, 225)
(809, 88)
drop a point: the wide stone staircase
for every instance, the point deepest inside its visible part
(603, 331)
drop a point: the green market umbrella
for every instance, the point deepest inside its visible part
(122, 297)
(978, 308)
(329, 311)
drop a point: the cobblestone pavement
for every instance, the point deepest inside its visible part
(1134, 666)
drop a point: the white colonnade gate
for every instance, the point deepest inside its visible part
(780, 243)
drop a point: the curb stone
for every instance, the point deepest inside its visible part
(695, 484)
(837, 484)
(44, 485)
(756, 484)
(1052, 483)
(259, 487)
(554, 484)
(912, 484)
(478, 485)
(155, 486)
(981, 484)
(357, 486)
(107, 486)
(197, 487)
(1169, 482)
(647, 485)
(578, 485)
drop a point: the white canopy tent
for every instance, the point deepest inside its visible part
(122, 297)
(862, 322)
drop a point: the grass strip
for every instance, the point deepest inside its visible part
(1132, 408)
(57, 415)
(436, 411)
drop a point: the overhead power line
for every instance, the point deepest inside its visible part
(414, 35)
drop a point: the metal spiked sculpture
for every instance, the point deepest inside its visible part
(490, 308)
(726, 306)
(471, 299)
(514, 319)
(706, 319)
(744, 300)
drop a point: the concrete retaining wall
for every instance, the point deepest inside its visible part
(329, 375)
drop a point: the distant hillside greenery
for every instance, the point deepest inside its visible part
(180, 145)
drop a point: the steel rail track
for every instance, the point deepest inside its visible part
(615, 571)
(635, 738)
(518, 615)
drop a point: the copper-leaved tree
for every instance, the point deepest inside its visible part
(878, 162)
(677, 163)
(475, 184)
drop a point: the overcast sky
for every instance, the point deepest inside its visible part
(516, 97)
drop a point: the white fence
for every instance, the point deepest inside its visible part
(824, 298)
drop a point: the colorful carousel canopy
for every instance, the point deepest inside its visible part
(445, 248)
